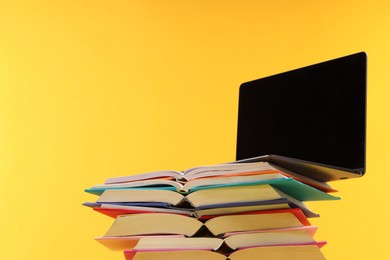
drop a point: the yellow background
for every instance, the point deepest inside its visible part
(91, 89)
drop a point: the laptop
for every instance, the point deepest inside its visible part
(310, 120)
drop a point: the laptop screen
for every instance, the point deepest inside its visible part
(316, 113)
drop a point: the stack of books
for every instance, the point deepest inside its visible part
(226, 211)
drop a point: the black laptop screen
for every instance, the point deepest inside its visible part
(316, 113)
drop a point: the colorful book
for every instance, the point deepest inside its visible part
(116, 209)
(292, 252)
(212, 171)
(173, 224)
(219, 195)
(230, 242)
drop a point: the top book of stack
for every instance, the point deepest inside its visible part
(205, 176)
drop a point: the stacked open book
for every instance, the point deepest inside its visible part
(227, 211)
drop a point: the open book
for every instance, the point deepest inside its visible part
(229, 242)
(183, 179)
(228, 197)
(117, 209)
(190, 186)
(297, 252)
(173, 224)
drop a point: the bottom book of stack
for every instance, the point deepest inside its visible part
(303, 252)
